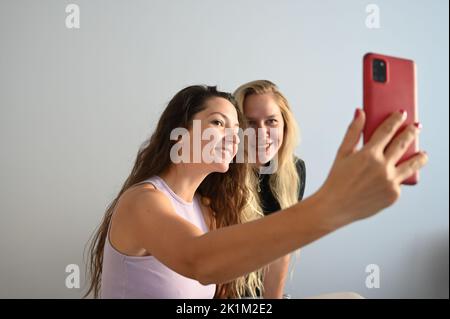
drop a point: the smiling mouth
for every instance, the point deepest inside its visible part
(265, 146)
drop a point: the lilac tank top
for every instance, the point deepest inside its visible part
(146, 277)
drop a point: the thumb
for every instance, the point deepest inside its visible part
(353, 134)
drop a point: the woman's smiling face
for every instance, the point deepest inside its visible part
(219, 118)
(264, 115)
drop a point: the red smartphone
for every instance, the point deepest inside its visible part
(390, 86)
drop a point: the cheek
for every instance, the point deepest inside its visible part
(210, 135)
(277, 136)
(278, 140)
(213, 138)
(280, 136)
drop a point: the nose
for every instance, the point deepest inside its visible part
(263, 131)
(237, 140)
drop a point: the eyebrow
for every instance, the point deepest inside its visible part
(224, 116)
(268, 117)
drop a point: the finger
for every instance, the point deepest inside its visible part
(409, 167)
(353, 134)
(400, 144)
(386, 131)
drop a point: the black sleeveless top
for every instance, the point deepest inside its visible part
(268, 202)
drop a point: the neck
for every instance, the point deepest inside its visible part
(184, 179)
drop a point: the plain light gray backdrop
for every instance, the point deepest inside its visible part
(75, 106)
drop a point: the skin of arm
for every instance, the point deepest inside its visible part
(275, 278)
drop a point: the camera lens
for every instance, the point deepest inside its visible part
(379, 70)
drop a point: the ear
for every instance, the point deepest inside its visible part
(211, 215)
(206, 201)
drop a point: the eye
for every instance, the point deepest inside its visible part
(272, 122)
(217, 122)
(251, 123)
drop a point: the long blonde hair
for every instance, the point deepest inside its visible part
(231, 194)
(284, 183)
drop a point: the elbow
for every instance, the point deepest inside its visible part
(205, 281)
(207, 266)
(213, 274)
(203, 273)
(210, 270)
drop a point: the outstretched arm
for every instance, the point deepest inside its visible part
(360, 184)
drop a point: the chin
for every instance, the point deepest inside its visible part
(267, 156)
(221, 167)
(265, 160)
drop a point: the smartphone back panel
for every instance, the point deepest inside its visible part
(389, 86)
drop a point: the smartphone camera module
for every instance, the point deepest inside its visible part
(379, 70)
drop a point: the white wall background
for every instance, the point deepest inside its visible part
(75, 105)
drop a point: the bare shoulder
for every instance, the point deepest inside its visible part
(143, 197)
(136, 206)
(145, 223)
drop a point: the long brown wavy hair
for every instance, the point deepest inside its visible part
(231, 195)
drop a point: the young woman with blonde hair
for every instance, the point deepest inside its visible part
(267, 110)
